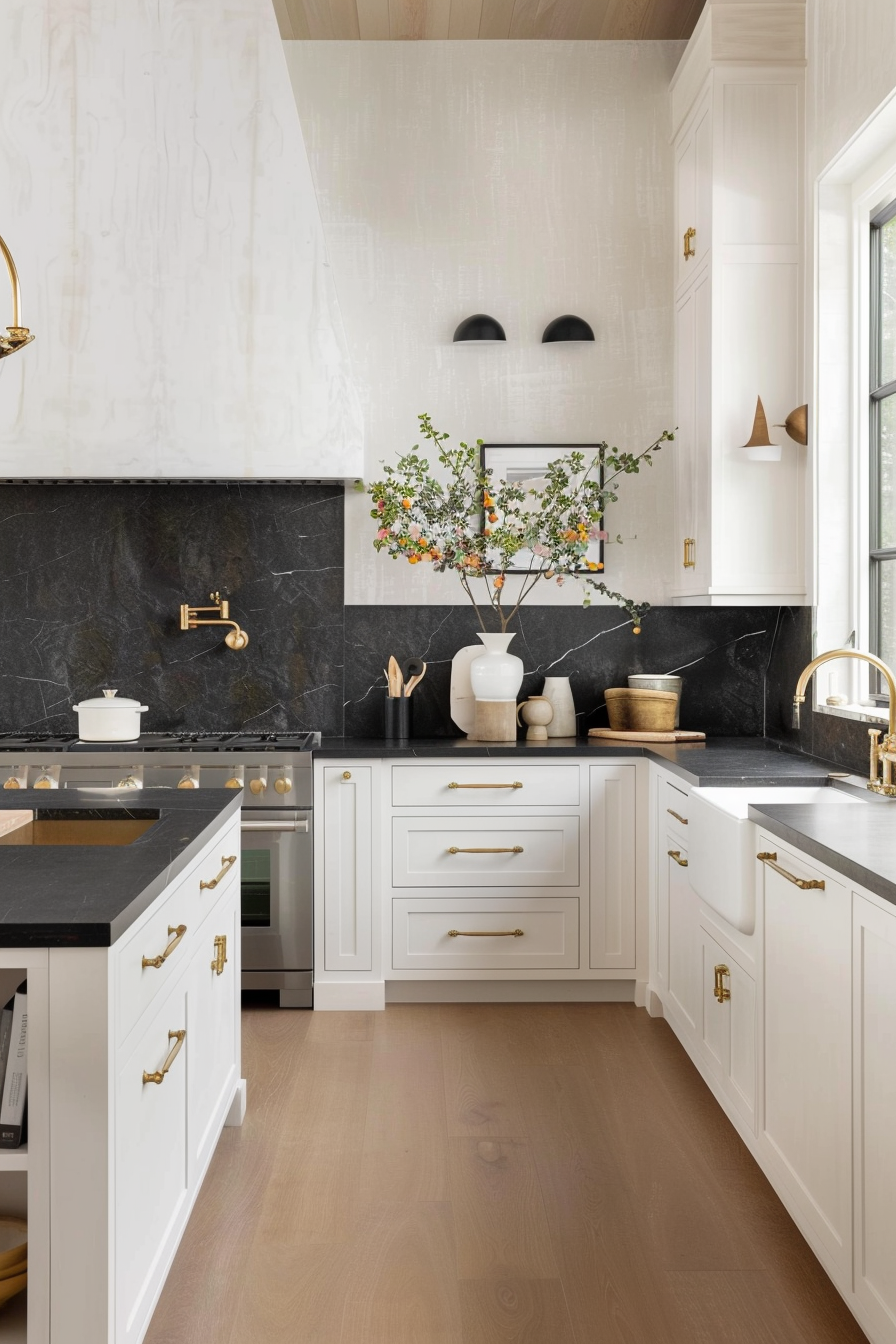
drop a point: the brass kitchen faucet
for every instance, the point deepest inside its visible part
(189, 620)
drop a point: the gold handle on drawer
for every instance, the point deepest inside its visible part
(220, 953)
(689, 236)
(719, 989)
(476, 933)
(163, 956)
(512, 849)
(677, 816)
(515, 785)
(159, 1076)
(803, 883)
(676, 855)
(226, 865)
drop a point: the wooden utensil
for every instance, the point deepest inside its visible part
(396, 681)
(415, 680)
(414, 667)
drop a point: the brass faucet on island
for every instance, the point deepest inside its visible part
(883, 754)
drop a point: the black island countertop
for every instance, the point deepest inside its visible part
(88, 895)
(726, 762)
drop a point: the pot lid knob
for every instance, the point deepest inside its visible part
(110, 694)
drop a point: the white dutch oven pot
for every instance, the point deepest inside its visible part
(106, 719)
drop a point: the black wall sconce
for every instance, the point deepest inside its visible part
(480, 327)
(568, 328)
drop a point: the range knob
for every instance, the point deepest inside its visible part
(258, 786)
(129, 782)
(188, 783)
(283, 784)
(43, 783)
(234, 782)
(12, 783)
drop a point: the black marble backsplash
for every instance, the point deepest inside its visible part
(92, 578)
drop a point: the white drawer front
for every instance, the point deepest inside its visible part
(674, 804)
(485, 851)
(501, 785)
(548, 938)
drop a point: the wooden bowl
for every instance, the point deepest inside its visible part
(10, 1287)
(13, 1242)
(635, 711)
(20, 1268)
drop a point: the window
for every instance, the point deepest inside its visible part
(882, 437)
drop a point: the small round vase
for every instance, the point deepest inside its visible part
(496, 674)
(536, 713)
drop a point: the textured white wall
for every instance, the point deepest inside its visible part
(521, 179)
(156, 195)
(851, 49)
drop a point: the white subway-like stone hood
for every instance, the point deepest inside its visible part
(158, 201)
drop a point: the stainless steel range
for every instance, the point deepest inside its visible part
(274, 770)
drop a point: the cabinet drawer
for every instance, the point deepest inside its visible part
(186, 906)
(467, 786)
(485, 851)
(422, 937)
(673, 808)
(151, 1186)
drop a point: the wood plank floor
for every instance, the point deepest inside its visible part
(487, 1174)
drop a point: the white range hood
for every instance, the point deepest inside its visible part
(157, 198)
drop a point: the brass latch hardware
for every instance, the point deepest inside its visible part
(513, 849)
(159, 1076)
(160, 960)
(469, 933)
(676, 855)
(804, 884)
(689, 236)
(226, 865)
(690, 553)
(677, 816)
(719, 989)
(515, 785)
(190, 619)
(220, 953)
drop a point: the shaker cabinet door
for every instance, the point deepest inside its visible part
(347, 866)
(213, 1064)
(612, 903)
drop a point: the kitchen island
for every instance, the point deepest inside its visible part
(123, 916)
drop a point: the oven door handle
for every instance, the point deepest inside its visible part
(301, 825)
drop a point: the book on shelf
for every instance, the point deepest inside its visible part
(15, 1070)
(5, 1034)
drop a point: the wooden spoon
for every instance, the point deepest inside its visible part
(415, 681)
(396, 680)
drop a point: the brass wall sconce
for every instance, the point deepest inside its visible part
(759, 447)
(189, 620)
(16, 335)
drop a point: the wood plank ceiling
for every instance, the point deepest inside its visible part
(413, 20)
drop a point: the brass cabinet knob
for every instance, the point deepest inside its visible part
(258, 785)
(283, 784)
(12, 783)
(346, 774)
(234, 782)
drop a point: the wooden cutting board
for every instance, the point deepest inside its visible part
(679, 735)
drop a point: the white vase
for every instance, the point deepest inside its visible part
(559, 692)
(496, 674)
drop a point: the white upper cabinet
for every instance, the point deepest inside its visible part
(737, 105)
(158, 201)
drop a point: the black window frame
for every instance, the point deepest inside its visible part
(878, 392)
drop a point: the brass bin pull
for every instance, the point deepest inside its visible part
(677, 816)
(803, 883)
(719, 989)
(159, 1076)
(690, 553)
(512, 849)
(220, 953)
(163, 956)
(471, 933)
(689, 236)
(676, 855)
(226, 865)
(515, 785)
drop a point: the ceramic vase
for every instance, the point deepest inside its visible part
(536, 713)
(559, 692)
(496, 674)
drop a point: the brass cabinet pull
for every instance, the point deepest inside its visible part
(513, 849)
(515, 785)
(689, 236)
(159, 1076)
(220, 953)
(803, 883)
(226, 865)
(719, 989)
(690, 553)
(677, 816)
(471, 933)
(163, 956)
(676, 855)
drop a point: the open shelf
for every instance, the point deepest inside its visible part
(14, 1320)
(14, 1159)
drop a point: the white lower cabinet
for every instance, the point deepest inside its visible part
(213, 1010)
(684, 966)
(345, 860)
(807, 1114)
(612, 830)
(874, 1076)
(728, 1020)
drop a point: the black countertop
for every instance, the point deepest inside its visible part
(86, 895)
(734, 762)
(859, 842)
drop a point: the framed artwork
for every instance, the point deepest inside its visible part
(522, 463)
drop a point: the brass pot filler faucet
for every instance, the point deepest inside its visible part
(189, 620)
(16, 336)
(883, 754)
